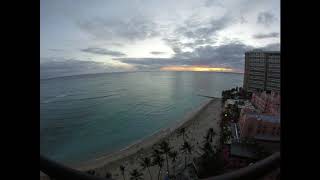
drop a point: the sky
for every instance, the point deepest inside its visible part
(81, 36)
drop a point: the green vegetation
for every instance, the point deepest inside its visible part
(108, 175)
(173, 156)
(226, 134)
(182, 132)
(211, 161)
(210, 135)
(146, 164)
(165, 149)
(235, 93)
(231, 113)
(136, 175)
(91, 172)
(157, 160)
(186, 148)
(122, 169)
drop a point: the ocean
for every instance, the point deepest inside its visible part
(86, 116)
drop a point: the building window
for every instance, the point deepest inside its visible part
(264, 130)
(249, 130)
(274, 131)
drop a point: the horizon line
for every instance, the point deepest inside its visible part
(57, 77)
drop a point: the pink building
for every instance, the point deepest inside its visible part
(259, 125)
(268, 103)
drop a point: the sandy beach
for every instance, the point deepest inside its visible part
(196, 124)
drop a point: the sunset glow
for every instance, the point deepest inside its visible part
(196, 68)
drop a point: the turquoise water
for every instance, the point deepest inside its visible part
(83, 117)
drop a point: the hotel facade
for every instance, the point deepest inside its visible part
(267, 103)
(262, 71)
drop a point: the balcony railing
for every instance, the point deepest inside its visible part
(254, 171)
(60, 172)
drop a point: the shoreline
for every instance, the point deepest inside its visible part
(196, 122)
(145, 142)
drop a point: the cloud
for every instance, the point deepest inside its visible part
(243, 20)
(132, 29)
(56, 50)
(117, 44)
(195, 30)
(272, 47)
(229, 55)
(209, 3)
(157, 52)
(266, 18)
(58, 67)
(101, 51)
(174, 44)
(264, 36)
(150, 61)
(197, 33)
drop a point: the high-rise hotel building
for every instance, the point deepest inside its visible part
(262, 71)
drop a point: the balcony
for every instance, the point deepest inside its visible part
(254, 171)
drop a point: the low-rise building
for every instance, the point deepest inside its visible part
(268, 103)
(253, 124)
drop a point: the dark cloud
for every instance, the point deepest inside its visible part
(266, 18)
(264, 36)
(175, 44)
(199, 34)
(228, 55)
(51, 68)
(136, 28)
(209, 3)
(150, 61)
(157, 52)
(243, 20)
(194, 30)
(117, 44)
(272, 47)
(102, 51)
(56, 50)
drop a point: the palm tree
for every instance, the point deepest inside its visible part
(146, 163)
(165, 149)
(108, 175)
(91, 172)
(157, 160)
(225, 134)
(208, 150)
(210, 134)
(173, 155)
(186, 149)
(136, 175)
(122, 168)
(182, 132)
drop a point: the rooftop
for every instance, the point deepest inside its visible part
(242, 150)
(267, 137)
(264, 117)
(261, 51)
(246, 103)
